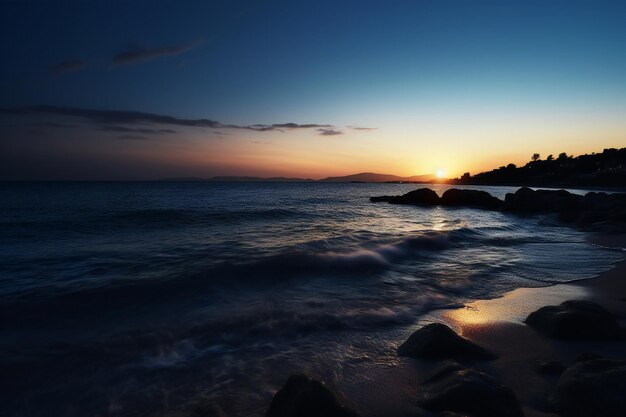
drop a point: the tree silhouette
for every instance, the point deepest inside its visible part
(607, 168)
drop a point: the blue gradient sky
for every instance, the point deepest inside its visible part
(456, 85)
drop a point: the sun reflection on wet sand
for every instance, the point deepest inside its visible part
(513, 307)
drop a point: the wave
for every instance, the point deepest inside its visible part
(197, 272)
(191, 279)
(368, 257)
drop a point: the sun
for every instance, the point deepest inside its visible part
(440, 173)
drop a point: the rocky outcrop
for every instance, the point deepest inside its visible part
(593, 208)
(302, 396)
(576, 320)
(470, 198)
(603, 208)
(452, 198)
(527, 200)
(592, 388)
(467, 391)
(438, 341)
(421, 197)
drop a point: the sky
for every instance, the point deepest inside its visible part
(112, 89)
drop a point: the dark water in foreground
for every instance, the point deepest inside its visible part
(130, 299)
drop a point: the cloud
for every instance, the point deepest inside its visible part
(329, 132)
(132, 137)
(363, 128)
(146, 131)
(116, 120)
(136, 55)
(54, 124)
(281, 126)
(114, 117)
(68, 65)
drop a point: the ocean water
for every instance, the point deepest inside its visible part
(133, 299)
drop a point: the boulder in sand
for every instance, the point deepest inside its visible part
(302, 396)
(592, 388)
(467, 391)
(438, 341)
(576, 320)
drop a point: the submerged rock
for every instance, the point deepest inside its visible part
(592, 388)
(438, 341)
(470, 198)
(421, 197)
(302, 396)
(463, 390)
(576, 320)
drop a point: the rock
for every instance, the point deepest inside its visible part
(302, 396)
(592, 388)
(544, 201)
(438, 341)
(421, 197)
(576, 320)
(470, 198)
(603, 207)
(462, 390)
(599, 209)
(550, 367)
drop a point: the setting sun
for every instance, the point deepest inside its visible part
(440, 173)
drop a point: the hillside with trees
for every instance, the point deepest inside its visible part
(597, 169)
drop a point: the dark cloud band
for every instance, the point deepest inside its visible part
(137, 55)
(115, 120)
(67, 66)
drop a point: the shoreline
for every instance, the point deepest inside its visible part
(497, 324)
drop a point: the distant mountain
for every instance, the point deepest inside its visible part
(182, 179)
(257, 179)
(373, 177)
(362, 177)
(237, 179)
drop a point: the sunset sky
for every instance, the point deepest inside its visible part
(150, 89)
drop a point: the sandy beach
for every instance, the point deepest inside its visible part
(497, 325)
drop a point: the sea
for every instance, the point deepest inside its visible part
(158, 298)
